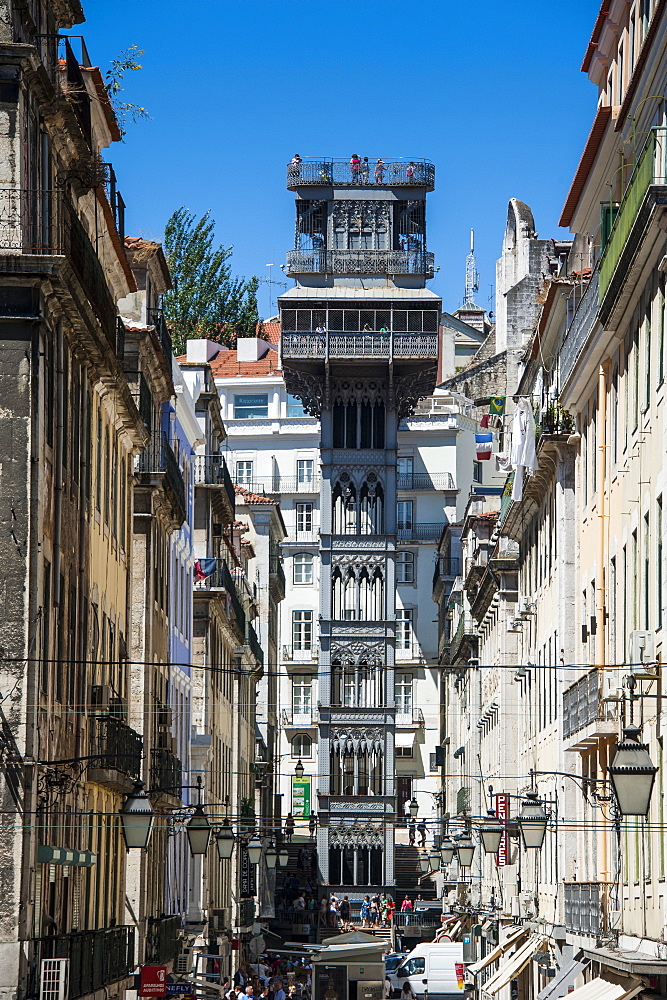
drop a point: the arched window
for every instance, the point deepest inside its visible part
(303, 567)
(302, 747)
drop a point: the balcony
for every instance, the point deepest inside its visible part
(96, 958)
(446, 569)
(211, 470)
(585, 905)
(328, 172)
(359, 345)
(265, 485)
(412, 717)
(277, 576)
(408, 651)
(156, 319)
(300, 654)
(157, 466)
(222, 580)
(252, 642)
(389, 262)
(586, 717)
(141, 394)
(293, 719)
(117, 750)
(163, 939)
(428, 532)
(580, 328)
(650, 170)
(166, 772)
(425, 481)
(464, 634)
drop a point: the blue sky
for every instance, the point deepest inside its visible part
(490, 92)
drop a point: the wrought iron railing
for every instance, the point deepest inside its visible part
(651, 168)
(141, 394)
(156, 319)
(212, 470)
(321, 173)
(464, 626)
(163, 938)
(222, 579)
(361, 262)
(120, 338)
(421, 532)
(424, 481)
(96, 958)
(158, 459)
(446, 568)
(114, 198)
(359, 345)
(280, 484)
(276, 569)
(411, 717)
(290, 717)
(300, 653)
(580, 328)
(585, 909)
(114, 745)
(583, 702)
(252, 642)
(166, 772)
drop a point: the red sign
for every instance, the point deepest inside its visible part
(153, 981)
(503, 813)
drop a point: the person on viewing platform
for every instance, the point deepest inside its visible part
(365, 170)
(380, 168)
(355, 167)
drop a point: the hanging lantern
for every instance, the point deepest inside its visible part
(298, 771)
(254, 850)
(465, 850)
(224, 841)
(434, 859)
(532, 821)
(136, 817)
(491, 832)
(447, 850)
(632, 774)
(271, 856)
(283, 857)
(414, 807)
(424, 862)
(198, 830)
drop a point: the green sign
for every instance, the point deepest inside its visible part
(301, 797)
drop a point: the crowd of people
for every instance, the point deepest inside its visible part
(273, 977)
(360, 170)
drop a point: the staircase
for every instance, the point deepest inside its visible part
(409, 876)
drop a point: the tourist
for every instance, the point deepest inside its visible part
(410, 172)
(367, 328)
(391, 909)
(380, 168)
(289, 827)
(412, 829)
(365, 170)
(355, 166)
(406, 908)
(333, 910)
(295, 167)
(345, 913)
(366, 912)
(421, 830)
(278, 991)
(407, 993)
(324, 911)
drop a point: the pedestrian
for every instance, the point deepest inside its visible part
(380, 168)
(367, 328)
(278, 991)
(391, 909)
(407, 993)
(355, 167)
(365, 170)
(345, 913)
(421, 830)
(333, 910)
(406, 909)
(289, 827)
(412, 829)
(312, 822)
(410, 172)
(366, 911)
(324, 911)
(295, 167)
(387, 988)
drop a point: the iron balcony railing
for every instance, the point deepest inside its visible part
(464, 626)
(292, 718)
(156, 319)
(305, 651)
(120, 338)
(580, 328)
(446, 568)
(361, 262)
(410, 717)
(166, 772)
(585, 907)
(252, 642)
(276, 569)
(420, 532)
(222, 579)
(424, 481)
(142, 396)
(158, 459)
(359, 345)
(393, 173)
(264, 485)
(96, 958)
(211, 470)
(114, 745)
(650, 169)
(419, 918)
(583, 702)
(163, 938)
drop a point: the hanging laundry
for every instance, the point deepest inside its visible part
(497, 406)
(522, 451)
(483, 445)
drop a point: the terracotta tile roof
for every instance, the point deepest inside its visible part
(251, 497)
(271, 330)
(225, 365)
(591, 148)
(595, 35)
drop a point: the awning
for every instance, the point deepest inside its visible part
(47, 855)
(404, 740)
(604, 989)
(493, 956)
(562, 981)
(515, 964)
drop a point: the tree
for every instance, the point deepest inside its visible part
(206, 300)
(125, 63)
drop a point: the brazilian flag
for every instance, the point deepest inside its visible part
(497, 406)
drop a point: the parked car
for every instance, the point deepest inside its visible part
(391, 963)
(434, 970)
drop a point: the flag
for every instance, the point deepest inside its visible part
(205, 568)
(483, 445)
(484, 422)
(497, 406)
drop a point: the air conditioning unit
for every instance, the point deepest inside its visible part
(54, 973)
(163, 717)
(165, 741)
(183, 962)
(642, 652)
(99, 696)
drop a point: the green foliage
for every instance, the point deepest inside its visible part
(206, 300)
(124, 111)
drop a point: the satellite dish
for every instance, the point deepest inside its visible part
(257, 945)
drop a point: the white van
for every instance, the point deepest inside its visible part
(434, 971)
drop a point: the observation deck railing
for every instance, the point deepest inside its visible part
(361, 262)
(359, 345)
(338, 173)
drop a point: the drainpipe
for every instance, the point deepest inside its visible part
(600, 609)
(58, 468)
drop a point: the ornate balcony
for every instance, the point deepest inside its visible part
(585, 906)
(252, 642)
(425, 481)
(166, 772)
(222, 580)
(586, 716)
(280, 484)
(337, 173)
(163, 938)
(360, 262)
(360, 345)
(211, 470)
(291, 719)
(158, 466)
(116, 749)
(421, 532)
(96, 958)
(156, 319)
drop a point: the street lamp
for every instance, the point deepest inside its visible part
(532, 821)
(299, 770)
(447, 850)
(198, 830)
(424, 862)
(271, 856)
(136, 817)
(414, 807)
(632, 774)
(254, 850)
(465, 849)
(225, 842)
(283, 856)
(434, 859)
(491, 832)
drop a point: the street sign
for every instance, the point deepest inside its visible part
(301, 797)
(503, 813)
(153, 981)
(180, 989)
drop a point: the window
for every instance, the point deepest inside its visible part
(302, 747)
(304, 517)
(403, 751)
(476, 472)
(403, 694)
(403, 628)
(251, 406)
(301, 694)
(405, 567)
(302, 630)
(414, 966)
(295, 407)
(404, 515)
(244, 473)
(305, 468)
(405, 469)
(303, 567)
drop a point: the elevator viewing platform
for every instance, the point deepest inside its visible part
(330, 172)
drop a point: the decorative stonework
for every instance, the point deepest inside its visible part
(366, 630)
(356, 833)
(353, 560)
(371, 653)
(357, 737)
(358, 475)
(309, 388)
(356, 543)
(409, 389)
(361, 390)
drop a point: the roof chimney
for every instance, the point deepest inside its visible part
(200, 352)
(251, 348)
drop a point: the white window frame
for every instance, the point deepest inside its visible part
(300, 562)
(302, 699)
(404, 632)
(405, 515)
(304, 511)
(298, 752)
(241, 474)
(302, 633)
(305, 471)
(403, 697)
(404, 559)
